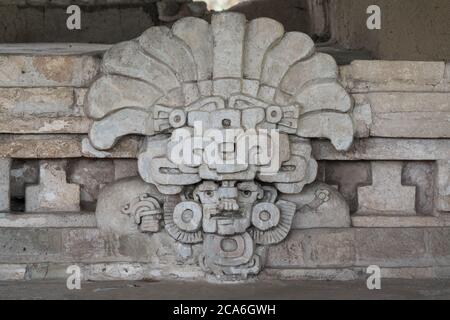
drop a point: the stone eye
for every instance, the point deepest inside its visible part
(246, 193)
(209, 193)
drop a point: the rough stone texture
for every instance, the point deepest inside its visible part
(48, 220)
(399, 221)
(409, 115)
(125, 168)
(5, 194)
(366, 76)
(313, 249)
(386, 195)
(12, 271)
(421, 175)
(348, 176)
(443, 185)
(47, 71)
(392, 247)
(100, 24)
(53, 193)
(91, 176)
(386, 149)
(319, 206)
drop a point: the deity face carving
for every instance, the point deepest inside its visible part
(227, 208)
(259, 95)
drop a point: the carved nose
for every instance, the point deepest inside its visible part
(228, 205)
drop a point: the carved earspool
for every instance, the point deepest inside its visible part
(237, 80)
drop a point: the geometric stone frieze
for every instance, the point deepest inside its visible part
(387, 195)
(53, 193)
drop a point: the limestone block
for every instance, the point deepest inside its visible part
(12, 272)
(36, 101)
(229, 32)
(91, 176)
(44, 125)
(439, 245)
(421, 176)
(409, 115)
(443, 185)
(366, 76)
(387, 195)
(48, 220)
(125, 168)
(348, 176)
(47, 71)
(391, 247)
(386, 149)
(313, 248)
(361, 221)
(53, 193)
(319, 206)
(5, 173)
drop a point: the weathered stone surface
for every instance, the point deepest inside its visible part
(409, 115)
(312, 249)
(319, 125)
(36, 101)
(91, 176)
(391, 247)
(261, 34)
(439, 245)
(319, 206)
(48, 220)
(421, 176)
(125, 168)
(23, 172)
(443, 185)
(229, 32)
(53, 193)
(193, 32)
(348, 176)
(386, 149)
(114, 198)
(386, 195)
(47, 71)
(12, 271)
(44, 125)
(364, 76)
(5, 194)
(343, 274)
(361, 221)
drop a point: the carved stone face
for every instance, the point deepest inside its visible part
(235, 77)
(227, 207)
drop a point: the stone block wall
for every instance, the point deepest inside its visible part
(395, 179)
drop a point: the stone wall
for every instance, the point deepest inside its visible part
(395, 179)
(102, 21)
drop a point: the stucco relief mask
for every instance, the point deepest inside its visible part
(227, 110)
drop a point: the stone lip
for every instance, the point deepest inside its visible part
(48, 220)
(53, 49)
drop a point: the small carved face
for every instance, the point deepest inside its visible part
(227, 208)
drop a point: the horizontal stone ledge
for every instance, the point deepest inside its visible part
(380, 75)
(385, 149)
(53, 49)
(399, 221)
(61, 146)
(77, 146)
(48, 70)
(354, 273)
(361, 247)
(44, 125)
(48, 220)
(408, 114)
